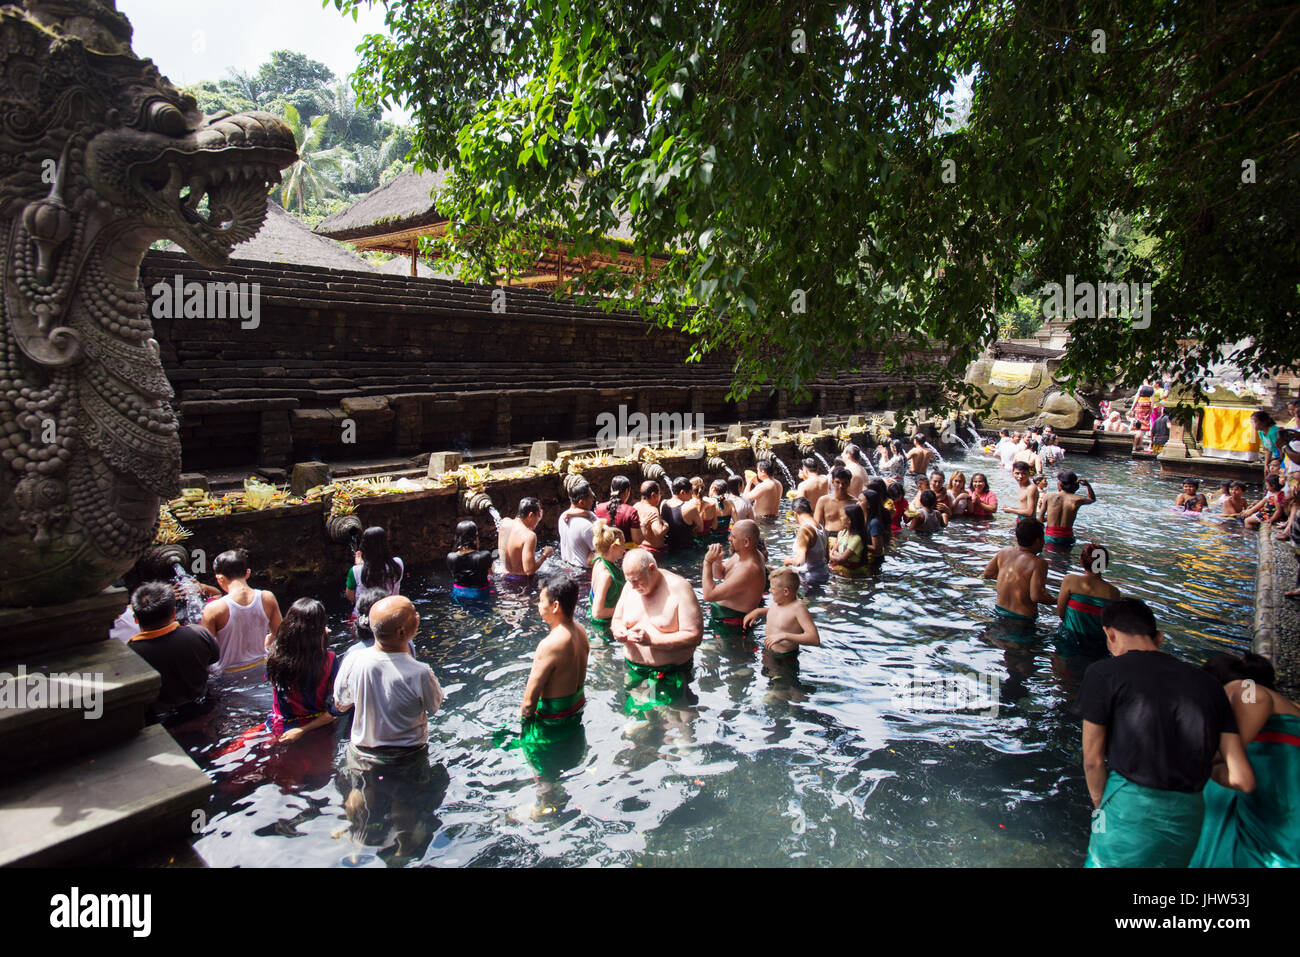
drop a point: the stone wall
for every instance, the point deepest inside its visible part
(421, 364)
(291, 552)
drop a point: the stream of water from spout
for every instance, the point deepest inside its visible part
(193, 594)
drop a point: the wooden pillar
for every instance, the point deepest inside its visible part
(415, 244)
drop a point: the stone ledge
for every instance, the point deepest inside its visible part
(202, 406)
(102, 806)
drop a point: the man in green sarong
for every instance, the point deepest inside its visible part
(743, 578)
(1021, 574)
(1151, 728)
(551, 713)
(659, 622)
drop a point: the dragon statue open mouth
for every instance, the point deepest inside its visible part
(99, 157)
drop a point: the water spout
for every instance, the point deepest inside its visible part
(975, 435)
(937, 457)
(496, 516)
(476, 503)
(719, 464)
(821, 458)
(784, 471)
(192, 592)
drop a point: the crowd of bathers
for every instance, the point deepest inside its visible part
(845, 521)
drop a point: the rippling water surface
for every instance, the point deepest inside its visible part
(765, 764)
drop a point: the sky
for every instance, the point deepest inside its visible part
(193, 40)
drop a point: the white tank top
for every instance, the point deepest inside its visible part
(243, 640)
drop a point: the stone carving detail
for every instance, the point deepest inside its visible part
(99, 157)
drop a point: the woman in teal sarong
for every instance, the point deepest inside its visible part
(1262, 828)
(1079, 604)
(607, 579)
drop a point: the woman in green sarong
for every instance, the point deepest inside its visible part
(1080, 602)
(607, 579)
(1262, 828)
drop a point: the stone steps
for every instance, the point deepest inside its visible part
(102, 806)
(106, 677)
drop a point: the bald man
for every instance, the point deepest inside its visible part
(735, 587)
(393, 696)
(659, 622)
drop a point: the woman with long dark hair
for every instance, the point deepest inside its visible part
(376, 567)
(848, 557)
(301, 671)
(877, 526)
(470, 566)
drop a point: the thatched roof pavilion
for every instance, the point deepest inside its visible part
(398, 214)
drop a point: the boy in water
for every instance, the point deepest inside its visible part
(1027, 500)
(789, 625)
(829, 512)
(922, 485)
(1235, 503)
(1057, 509)
(1191, 499)
(1021, 574)
(1152, 726)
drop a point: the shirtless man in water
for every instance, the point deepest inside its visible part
(852, 461)
(764, 491)
(517, 541)
(560, 663)
(743, 576)
(659, 622)
(1027, 500)
(654, 530)
(1057, 509)
(918, 457)
(814, 484)
(829, 513)
(1021, 574)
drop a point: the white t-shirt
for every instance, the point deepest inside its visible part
(1007, 453)
(575, 539)
(393, 695)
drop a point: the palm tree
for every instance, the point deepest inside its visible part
(318, 172)
(349, 120)
(371, 161)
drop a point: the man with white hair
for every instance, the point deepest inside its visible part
(659, 622)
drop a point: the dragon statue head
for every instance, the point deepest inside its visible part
(99, 157)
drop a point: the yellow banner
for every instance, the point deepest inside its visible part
(1228, 432)
(1005, 372)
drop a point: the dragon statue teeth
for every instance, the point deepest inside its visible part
(99, 157)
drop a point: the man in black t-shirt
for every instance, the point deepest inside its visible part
(180, 653)
(1152, 726)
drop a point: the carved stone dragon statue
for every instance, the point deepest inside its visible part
(99, 157)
